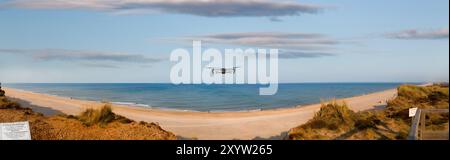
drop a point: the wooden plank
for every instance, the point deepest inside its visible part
(418, 126)
(414, 131)
(435, 135)
(422, 124)
(435, 111)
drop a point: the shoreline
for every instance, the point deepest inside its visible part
(148, 107)
(254, 124)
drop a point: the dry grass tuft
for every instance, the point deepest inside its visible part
(102, 116)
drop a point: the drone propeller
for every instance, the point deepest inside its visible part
(222, 67)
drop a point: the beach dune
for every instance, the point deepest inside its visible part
(266, 124)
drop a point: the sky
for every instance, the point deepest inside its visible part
(130, 41)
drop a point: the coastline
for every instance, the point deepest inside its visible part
(205, 98)
(252, 124)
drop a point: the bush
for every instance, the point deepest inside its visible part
(365, 120)
(414, 93)
(437, 121)
(2, 92)
(333, 116)
(101, 117)
(7, 104)
(337, 121)
(409, 96)
(436, 96)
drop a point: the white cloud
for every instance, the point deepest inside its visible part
(206, 8)
(291, 44)
(95, 58)
(417, 34)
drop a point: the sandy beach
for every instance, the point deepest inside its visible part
(266, 124)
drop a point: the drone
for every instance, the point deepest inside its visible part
(223, 71)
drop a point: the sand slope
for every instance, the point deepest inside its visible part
(66, 128)
(271, 124)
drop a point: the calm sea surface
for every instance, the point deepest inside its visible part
(206, 97)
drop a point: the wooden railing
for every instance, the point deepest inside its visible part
(417, 130)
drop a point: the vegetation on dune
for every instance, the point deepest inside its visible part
(2, 92)
(7, 104)
(337, 121)
(431, 97)
(331, 117)
(102, 116)
(92, 124)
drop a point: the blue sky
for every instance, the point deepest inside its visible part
(130, 41)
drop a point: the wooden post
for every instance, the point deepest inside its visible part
(418, 132)
(414, 131)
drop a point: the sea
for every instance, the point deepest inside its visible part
(205, 98)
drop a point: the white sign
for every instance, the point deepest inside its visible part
(15, 131)
(412, 112)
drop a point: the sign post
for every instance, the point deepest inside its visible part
(412, 112)
(15, 131)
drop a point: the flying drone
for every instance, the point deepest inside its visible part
(223, 71)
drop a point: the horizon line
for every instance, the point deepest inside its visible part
(212, 84)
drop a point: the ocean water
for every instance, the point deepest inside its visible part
(205, 97)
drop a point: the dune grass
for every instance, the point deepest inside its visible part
(409, 96)
(333, 116)
(89, 117)
(331, 120)
(431, 97)
(92, 124)
(103, 125)
(337, 121)
(101, 116)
